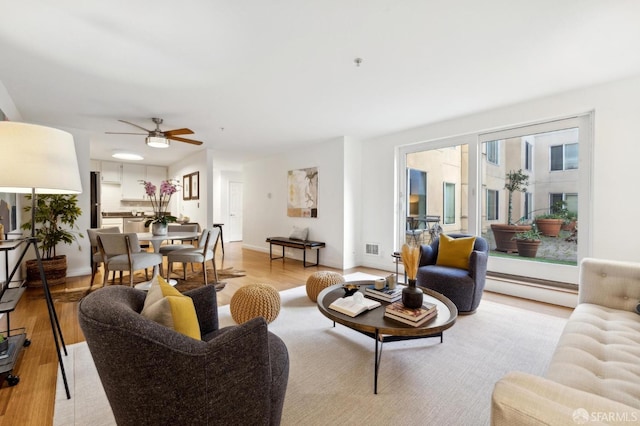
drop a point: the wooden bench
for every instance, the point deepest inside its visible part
(298, 244)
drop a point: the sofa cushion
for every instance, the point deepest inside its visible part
(455, 252)
(599, 353)
(167, 306)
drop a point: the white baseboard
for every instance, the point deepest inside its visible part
(546, 294)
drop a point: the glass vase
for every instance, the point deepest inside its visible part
(412, 295)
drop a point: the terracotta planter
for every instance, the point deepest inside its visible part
(503, 235)
(55, 269)
(569, 227)
(528, 248)
(549, 227)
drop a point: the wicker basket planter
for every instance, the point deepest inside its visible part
(55, 269)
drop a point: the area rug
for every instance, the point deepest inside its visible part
(194, 280)
(331, 369)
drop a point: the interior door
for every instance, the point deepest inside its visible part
(235, 212)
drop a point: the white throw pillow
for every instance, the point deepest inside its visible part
(299, 233)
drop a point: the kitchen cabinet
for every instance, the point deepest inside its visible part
(110, 172)
(156, 174)
(131, 187)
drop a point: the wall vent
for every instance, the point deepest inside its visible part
(372, 249)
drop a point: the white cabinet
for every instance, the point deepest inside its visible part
(132, 188)
(94, 165)
(156, 174)
(132, 174)
(110, 172)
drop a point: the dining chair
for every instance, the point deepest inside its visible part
(201, 254)
(122, 252)
(96, 256)
(184, 244)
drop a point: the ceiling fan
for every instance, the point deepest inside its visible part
(157, 138)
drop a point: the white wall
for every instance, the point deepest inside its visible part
(197, 210)
(265, 200)
(614, 230)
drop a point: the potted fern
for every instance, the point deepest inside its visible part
(55, 223)
(516, 181)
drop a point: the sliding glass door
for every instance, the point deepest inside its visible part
(465, 182)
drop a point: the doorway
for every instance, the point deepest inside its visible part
(235, 211)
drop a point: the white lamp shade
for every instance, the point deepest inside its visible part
(37, 157)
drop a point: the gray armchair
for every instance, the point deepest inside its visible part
(463, 287)
(153, 375)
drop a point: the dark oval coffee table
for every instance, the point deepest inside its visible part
(374, 324)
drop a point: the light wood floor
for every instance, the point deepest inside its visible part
(31, 401)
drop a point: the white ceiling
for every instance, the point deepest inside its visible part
(258, 77)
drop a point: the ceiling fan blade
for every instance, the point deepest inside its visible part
(183, 131)
(175, 138)
(135, 125)
(123, 133)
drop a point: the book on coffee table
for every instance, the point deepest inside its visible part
(418, 323)
(399, 310)
(386, 294)
(353, 307)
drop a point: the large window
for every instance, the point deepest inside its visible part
(564, 157)
(466, 186)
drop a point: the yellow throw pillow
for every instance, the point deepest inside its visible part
(455, 252)
(167, 306)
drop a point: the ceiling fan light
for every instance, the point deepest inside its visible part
(122, 155)
(157, 142)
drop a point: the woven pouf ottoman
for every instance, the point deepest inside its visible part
(320, 280)
(255, 300)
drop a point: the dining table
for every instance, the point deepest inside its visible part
(156, 242)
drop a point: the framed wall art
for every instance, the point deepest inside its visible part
(186, 187)
(303, 192)
(195, 185)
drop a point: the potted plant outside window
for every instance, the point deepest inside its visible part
(528, 242)
(55, 223)
(504, 233)
(551, 223)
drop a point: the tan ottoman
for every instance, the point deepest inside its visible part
(320, 280)
(255, 300)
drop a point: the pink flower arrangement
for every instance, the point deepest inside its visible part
(160, 200)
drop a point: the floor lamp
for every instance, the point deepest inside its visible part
(39, 160)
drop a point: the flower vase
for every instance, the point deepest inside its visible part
(159, 228)
(412, 295)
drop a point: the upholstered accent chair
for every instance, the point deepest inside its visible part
(154, 375)
(462, 286)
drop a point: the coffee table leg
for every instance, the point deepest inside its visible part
(377, 362)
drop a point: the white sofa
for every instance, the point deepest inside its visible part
(594, 374)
